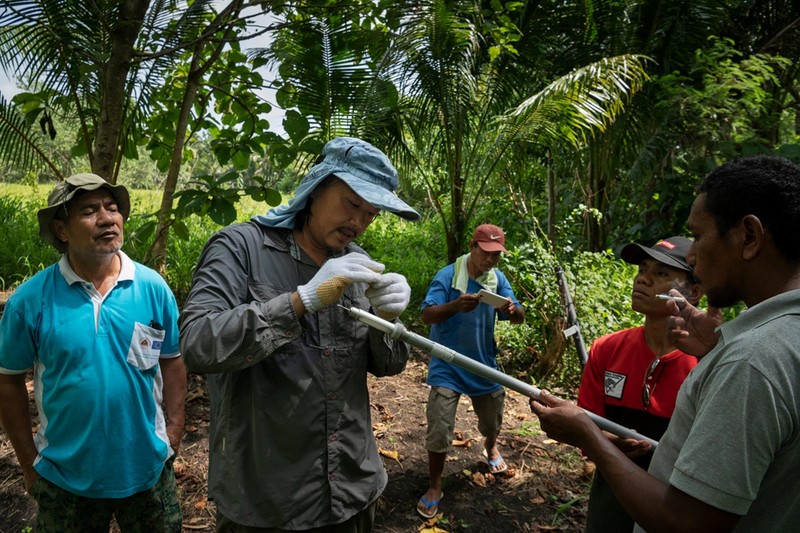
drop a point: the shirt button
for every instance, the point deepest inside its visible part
(289, 333)
(326, 352)
(333, 396)
(332, 437)
(331, 477)
(249, 357)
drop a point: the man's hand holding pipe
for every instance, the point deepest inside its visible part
(328, 284)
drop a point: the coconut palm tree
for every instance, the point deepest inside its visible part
(97, 63)
(440, 86)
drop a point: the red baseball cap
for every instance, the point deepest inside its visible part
(490, 238)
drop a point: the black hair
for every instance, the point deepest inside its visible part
(301, 218)
(761, 185)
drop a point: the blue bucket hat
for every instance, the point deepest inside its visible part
(364, 168)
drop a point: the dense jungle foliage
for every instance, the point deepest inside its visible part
(536, 350)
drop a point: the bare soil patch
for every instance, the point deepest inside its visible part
(544, 489)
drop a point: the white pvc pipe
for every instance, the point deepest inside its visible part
(398, 331)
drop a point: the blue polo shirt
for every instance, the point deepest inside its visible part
(470, 334)
(97, 380)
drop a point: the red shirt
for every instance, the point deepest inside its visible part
(612, 381)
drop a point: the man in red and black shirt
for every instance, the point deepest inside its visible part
(632, 376)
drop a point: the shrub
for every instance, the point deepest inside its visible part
(536, 350)
(22, 252)
(600, 286)
(182, 254)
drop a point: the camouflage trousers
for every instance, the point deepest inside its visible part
(156, 510)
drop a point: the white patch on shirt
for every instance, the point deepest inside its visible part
(145, 347)
(614, 384)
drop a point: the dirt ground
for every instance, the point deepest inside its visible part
(544, 489)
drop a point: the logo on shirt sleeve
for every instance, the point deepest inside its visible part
(614, 384)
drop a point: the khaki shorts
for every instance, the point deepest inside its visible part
(441, 413)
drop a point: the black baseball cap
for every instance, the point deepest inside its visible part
(671, 252)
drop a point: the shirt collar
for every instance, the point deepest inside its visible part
(787, 303)
(126, 272)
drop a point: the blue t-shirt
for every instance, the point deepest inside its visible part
(470, 334)
(97, 380)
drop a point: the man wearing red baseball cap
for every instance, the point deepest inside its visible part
(460, 320)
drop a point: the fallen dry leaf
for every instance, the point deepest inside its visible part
(179, 467)
(509, 473)
(430, 524)
(483, 480)
(391, 454)
(194, 394)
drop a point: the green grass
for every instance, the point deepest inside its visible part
(23, 253)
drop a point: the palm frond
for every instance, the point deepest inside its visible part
(19, 141)
(582, 101)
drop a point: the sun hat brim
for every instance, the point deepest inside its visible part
(283, 216)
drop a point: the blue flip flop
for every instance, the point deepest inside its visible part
(496, 463)
(431, 508)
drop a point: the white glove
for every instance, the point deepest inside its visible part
(389, 295)
(327, 285)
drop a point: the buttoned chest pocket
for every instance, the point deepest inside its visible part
(145, 348)
(346, 335)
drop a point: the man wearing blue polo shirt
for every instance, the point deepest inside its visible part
(100, 333)
(461, 321)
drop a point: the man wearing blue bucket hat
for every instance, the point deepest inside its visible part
(291, 440)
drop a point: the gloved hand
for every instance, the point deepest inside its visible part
(327, 285)
(389, 295)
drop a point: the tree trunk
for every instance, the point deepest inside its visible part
(113, 81)
(551, 200)
(157, 254)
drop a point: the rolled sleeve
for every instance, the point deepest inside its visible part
(388, 357)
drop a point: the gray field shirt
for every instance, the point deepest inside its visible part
(734, 439)
(291, 443)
